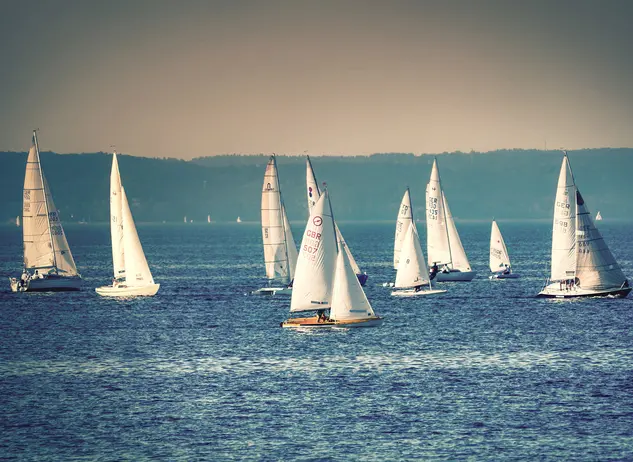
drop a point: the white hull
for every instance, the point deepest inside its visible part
(554, 290)
(273, 291)
(455, 276)
(123, 291)
(312, 322)
(413, 293)
(504, 276)
(47, 284)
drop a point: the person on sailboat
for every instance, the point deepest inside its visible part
(506, 270)
(433, 271)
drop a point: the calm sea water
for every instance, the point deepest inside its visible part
(202, 371)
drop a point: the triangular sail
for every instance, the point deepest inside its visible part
(291, 247)
(405, 218)
(314, 276)
(137, 271)
(499, 257)
(313, 195)
(436, 228)
(116, 220)
(412, 271)
(458, 255)
(349, 301)
(276, 232)
(596, 268)
(564, 229)
(45, 244)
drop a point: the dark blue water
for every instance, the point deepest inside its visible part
(202, 371)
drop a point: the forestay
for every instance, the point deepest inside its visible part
(499, 257)
(403, 222)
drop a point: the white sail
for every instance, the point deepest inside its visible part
(208, 218)
(412, 270)
(403, 223)
(314, 276)
(349, 301)
(291, 247)
(45, 244)
(458, 255)
(596, 268)
(276, 232)
(116, 220)
(598, 216)
(499, 257)
(137, 271)
(313, 195)
(564, 229)
(17, 221)
(436, 228)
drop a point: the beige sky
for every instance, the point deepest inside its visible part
(188, 79)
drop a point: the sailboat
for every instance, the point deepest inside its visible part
(582, 265)
(313, 195)
(280, 251)
(412, 272)
(444, 246)
(185, 219)
(17, 221)
(325, 280)
(48, 262)
(598, 216)
(239, 220)
(499, 258)
(132, 276)
(208, 218)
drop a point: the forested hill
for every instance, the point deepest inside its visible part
(512, 184)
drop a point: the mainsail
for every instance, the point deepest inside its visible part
(405, 218)
(499, 257)
(280, 252)
(412, 271)
(45, 244)
(564, 229)
(116, 220)
(437, 242)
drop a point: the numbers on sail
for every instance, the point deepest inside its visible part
(56, 230)
(403, 210)
(311, 245)
(265, 233)
(431, 208)
(52, 216)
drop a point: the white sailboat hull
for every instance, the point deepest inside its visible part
(504, 276)
(413, 293)
(47, 284)
(124, 291)
(455, 276)
(313, 322)
(556, 290)
(273, 291)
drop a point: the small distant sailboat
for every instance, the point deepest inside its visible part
(598, 216)
(239, 220)
(313, 195)
(208, 218)
(185, 219)
(132, 276)
(324, 279)
(48, 262)
(280, 251)
(412, 273)
(17, 221)
(499, 258)
(582, 264)
(444, 246)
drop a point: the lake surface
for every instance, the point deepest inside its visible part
(203, 371)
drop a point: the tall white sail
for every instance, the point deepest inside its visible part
(403, 223)
(412, 270)
(458, 255)
(291, 247)
(137, 271)
(313, 195)
(436, 228)
(349, 301)
(564, 229)
(116, 220)
(596, 268)
(45, 244)
(276, 232)
(499, 257)
(314, 276)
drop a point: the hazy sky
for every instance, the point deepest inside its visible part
(194, 78)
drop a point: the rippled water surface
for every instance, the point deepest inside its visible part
(203, 371)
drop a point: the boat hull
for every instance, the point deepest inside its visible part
(123, 291)
(47, 284)
(413, 293)
(313, 322)
(362, 278)
(554, 291)
(455, 276)
(273, 291)
(505, 276)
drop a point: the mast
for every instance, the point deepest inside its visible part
(575, 189)
(448, 238)
(48, 218)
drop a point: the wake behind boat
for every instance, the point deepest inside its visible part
(582, 264)
(132, 276)
(48, 262)
(499, 258)
(280, 251)
(325, 280)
